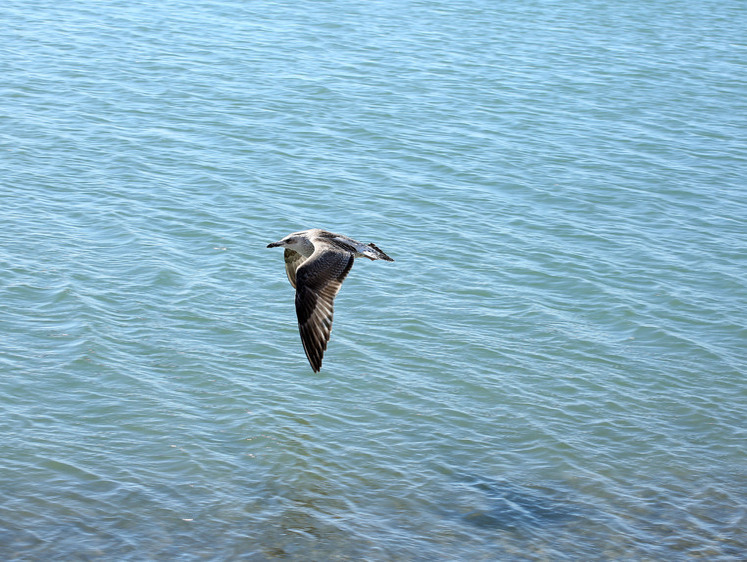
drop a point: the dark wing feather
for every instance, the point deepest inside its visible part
(318, 280)
(293, 261)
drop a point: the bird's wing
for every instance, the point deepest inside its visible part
(318, 281)
(293, 261)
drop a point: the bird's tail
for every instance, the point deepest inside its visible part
(377, 253)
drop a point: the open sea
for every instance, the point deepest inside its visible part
(552, 369)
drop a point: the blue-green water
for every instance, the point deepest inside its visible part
(552, 369)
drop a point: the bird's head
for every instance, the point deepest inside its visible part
(296, 241)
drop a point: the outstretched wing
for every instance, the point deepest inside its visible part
(318, 280)
(293, 261)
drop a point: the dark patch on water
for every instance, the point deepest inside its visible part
(509, 506)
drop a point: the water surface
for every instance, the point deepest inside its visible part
(552, 369)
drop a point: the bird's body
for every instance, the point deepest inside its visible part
(317, 262)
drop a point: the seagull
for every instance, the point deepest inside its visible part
(317, 262)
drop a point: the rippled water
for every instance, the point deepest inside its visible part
(552, 369)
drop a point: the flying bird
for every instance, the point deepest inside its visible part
(317, 262)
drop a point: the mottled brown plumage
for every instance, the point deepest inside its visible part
(317, 262)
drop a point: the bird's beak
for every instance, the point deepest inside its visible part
(274, 244)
